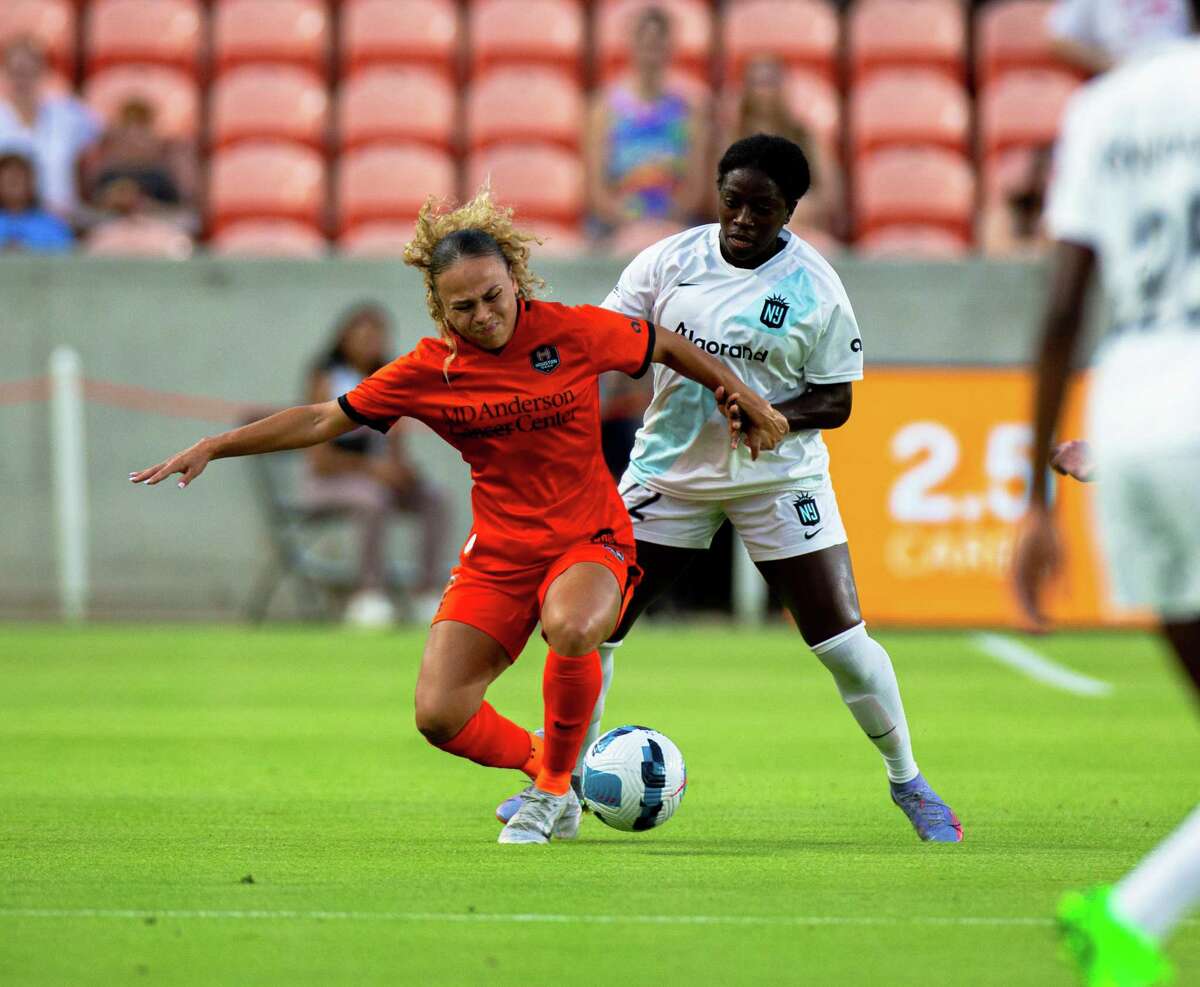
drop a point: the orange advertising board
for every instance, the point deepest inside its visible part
(932, 473)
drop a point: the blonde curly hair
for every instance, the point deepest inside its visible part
(481, 228)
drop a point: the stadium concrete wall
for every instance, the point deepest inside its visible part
(242, 332)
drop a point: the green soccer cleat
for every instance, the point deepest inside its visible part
(1106, 950)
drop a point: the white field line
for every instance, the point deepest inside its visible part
(1038, 667)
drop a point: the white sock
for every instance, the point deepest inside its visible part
(1157, 894)
(593, 731)
(865, 678)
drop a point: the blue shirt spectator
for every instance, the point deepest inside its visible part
(24, 224)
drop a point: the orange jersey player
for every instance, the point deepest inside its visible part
(512, 383)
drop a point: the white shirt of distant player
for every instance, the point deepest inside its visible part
(781, 326)
(1127, 184)
(1121, 27)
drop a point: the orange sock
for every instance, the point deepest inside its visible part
(495, 741)
(570, 688)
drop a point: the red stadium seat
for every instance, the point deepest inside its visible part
(269, 238)
(539, 181)
(375, 31)
(383, 182)
(397, 103)
(824, 243)
(162, 32)
(814, 101)
(266, 180)
(280, 101)
(138, 237)
(691, 34)
(632, 238)
(291, 31)
(529, 103)
(907, 33)
(49, 22)
(801, 33)
(909, 106)
(172, 93)
(913, 242)
(926, 185)
(380, 238)
(528, 32)
(1012, 34)
(1023, 108)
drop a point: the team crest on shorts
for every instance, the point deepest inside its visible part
(806, 508)
(545, 359)
(774, 311)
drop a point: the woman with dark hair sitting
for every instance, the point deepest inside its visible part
(24, 224)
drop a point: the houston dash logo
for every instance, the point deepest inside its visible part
(545, 359)
(774, 311)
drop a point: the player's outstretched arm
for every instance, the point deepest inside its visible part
(750, 415)
(294, 428)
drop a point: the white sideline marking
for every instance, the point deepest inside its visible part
(1016, 655)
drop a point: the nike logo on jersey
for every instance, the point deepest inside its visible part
(809, 535)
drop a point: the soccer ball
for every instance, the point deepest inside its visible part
(633, 778)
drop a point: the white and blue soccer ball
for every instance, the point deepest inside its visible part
(633, 778)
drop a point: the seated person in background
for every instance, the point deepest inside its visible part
(52, 130)
(371, 477)
(646, 141)
(1011, 226)
(24, 224)
(1094, 35)
(136, 172)
(763, 109)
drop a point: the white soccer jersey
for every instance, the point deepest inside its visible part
(1127, 184)
(780, 327)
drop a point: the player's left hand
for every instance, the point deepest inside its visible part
(753, 419)
(1037, 559)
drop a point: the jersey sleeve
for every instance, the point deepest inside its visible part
(1074, 213)
(616, 341)
(637, 288)
(837, 356)
(386, 396)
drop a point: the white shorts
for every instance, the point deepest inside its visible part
(780, 524)
(1148, 511)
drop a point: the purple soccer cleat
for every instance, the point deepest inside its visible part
(933, 819)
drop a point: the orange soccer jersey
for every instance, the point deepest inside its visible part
(526, 419)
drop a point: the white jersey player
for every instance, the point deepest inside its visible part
(1127, 194)
(761, 300)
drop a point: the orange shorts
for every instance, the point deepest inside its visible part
(508, 607)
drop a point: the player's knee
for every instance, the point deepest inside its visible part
(573, 634)
(437, 722)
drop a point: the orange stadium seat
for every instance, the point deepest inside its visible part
(163, 32)
(282, 101)
(907, 33)
(397, 103)
(913, 241)
(1012, 34)
(269, 238)
(528, 32)
(377, 238)
(374, 31)
(139, 237)
(691, 34)
(172, 93)
(926, 185)
(391, 182)
(539, 181)
(801, 33)
(49, 22)
(292, 31)
(909, 106)
(529, 103)
(813, 100)
(266, 180)
(1023, 108)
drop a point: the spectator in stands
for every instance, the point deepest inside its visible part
(646, 139)
(24, 224)
(763, 109)
(1012, 225)
(136, 172)
(371, 477)
(1094, 35)
(51, 130)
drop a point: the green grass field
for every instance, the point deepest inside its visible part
(147, 774)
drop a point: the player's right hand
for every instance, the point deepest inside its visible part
(1074, 458)
(190, 463)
